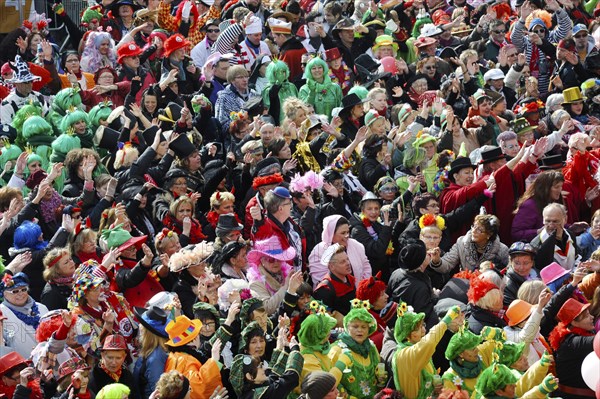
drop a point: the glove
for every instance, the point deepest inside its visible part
(185, 12)
(546, 359)
(451, 314)
(58, 9)
(493, 334)
(550, 384)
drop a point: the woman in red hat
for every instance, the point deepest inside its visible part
(175, 57)
(130, 66)
(14, 377)
(338, 70)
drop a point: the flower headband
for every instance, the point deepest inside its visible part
(431, 220)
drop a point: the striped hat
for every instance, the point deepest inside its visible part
(182, 331)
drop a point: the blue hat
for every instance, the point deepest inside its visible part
(154, 319)
(282, 192)
(10, 282)
(535, 22)
(578, 28)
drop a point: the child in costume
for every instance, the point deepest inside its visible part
(278, 90)
(361, 382)
(412, 366)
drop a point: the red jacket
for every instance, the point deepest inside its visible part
(455, 196)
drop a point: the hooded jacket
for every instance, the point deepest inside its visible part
(361, 267)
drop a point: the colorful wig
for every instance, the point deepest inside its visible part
(27, 235)
(91, 57)
(71, 118)
(62, 145)
(99, 112)
(278, 72)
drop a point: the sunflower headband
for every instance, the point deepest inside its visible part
(317, 308)
(403, 308)
(358, 304)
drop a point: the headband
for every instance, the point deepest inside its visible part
(55, 260)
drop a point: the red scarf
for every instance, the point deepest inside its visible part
(213, 218)
(196, 235)
(83, 257)
(561, 331)
(9, 392)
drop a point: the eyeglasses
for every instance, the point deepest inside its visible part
(430, 67)
(539, 31)
(287, 204)
(511, 147)
(583, 35)
(511, 55)
(209, 325)
(478, 229)
(73, 60)
(499, 32)
(18, 290)
(213, 30)
(388, 189)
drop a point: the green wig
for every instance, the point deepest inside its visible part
(90, 14)
(360, 311)
(419, 24)
(36, 126)
(497, 376)
(315, 329)
(511, 353)
(26, 111)
(64, 100)
(99, 112)
(413, 155)
(71, 118)
(9, 153)
(62, 145)
(313, 63)
(113, 391)
(278, 72)
(360, 91)
(463, 340)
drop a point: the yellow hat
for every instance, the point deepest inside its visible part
(182, 331)
(572, 95)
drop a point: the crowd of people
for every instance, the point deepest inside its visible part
(342, 199)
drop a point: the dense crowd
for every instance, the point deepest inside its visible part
(240, 199)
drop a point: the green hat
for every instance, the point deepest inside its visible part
(316, 327)
(360, 91)
(237, 374)
(497, 376)
(521, 126)
(33, 157)
(511, 353)
(360, 311)
(10, 152)
(385, 40)
(98, 112)
(90, 14)
(423, 138)
(249, 306)
(463, 340)
(407, 322)
(72, 117)
(62, 145)
(203, 308)
(371, 117)
(252, 330)
(119, 237)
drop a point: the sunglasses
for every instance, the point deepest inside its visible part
(511, 55)
(430, 67)
(18, 290)
(499, 32)
(213, 30)
(582, 36)
(539, 31)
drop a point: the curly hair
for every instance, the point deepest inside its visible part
(490, 223)
(76, 156)
(184, 199)
(217, 199)
(170, 384)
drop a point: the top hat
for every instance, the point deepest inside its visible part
(458, 164)
(332, 54)
(573, 95)
(521, 126)
(552, 162)
(491, 155)
(106, 138)
(114, 7)
(128, 50)
(114, 342)
(150, 133)
(154, 319)
(182, 146)
(227, 222)
(175, 42)
(182, 331)
(351, 100)
(570, 310)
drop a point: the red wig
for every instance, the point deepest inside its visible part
(260, 181)
(479, 288)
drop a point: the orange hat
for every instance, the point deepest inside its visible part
(518, 311)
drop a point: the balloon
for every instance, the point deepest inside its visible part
(597, 344)
(389, 65)
(590, 370)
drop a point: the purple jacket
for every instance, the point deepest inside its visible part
(527, 222)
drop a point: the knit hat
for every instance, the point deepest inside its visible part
(407, 322)
(511, 352)
(315, 329)
(175, 42)
(252, 330)
(478, 288)
(497, 376)
(317, 384)
(360, 311)
(372, 116)
(203, 309)
(91, 13)
(463, 340)
(567, 44)
(412, 256)
(182, 331)
(371, 288)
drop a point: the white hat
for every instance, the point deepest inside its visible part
(493, 74)
(279, 26)
(429, 30)
(255, 26)
(328, 254)
(208, 3)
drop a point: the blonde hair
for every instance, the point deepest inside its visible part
(184, 199)
(126, 156)
(150, 341)
(170, 384)
(80, 238)
(223, 196)
(160, 241)
(375, 91)
(431, 229)
(595, 255)
(291, 106)
(51, 272)
(492, 300)
(530, 291)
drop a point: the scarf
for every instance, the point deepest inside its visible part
(317, 348)
(28, 314)
(467, 369)
(67, 280)
(561, 331)
(362, 349)
(96, 314)
(114, 376)
(196, 235)
(473, 255)
(84, 257)
(49, 207)
(179, 66)
(566, 257)
(369, 226)
(341, 77)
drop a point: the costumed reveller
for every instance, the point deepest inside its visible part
(319, 90)
(373, 290)
(189, 16)
(412, 367)
(498, 382)
(66, 100)
(13, 378)
(184, 340)
(278, 90)
(21, 312)
(362, 381)
(339, 72)
(58, 274)
(465, 362)
(112, 368)
(420, 157)
(99, 114)
(513, 356)
(572, 340)
(314, 343)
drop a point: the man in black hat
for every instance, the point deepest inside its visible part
(343, 38)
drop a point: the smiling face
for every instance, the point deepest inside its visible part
(17, 296)
(104, 47)
(317, 72)
(271, 265)
(419, 86)
(256, 347)
(379, 102)
(464, 177)
(371, 210)
(341, 235)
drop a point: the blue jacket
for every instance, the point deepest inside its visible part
(587, 244)
(147, 371)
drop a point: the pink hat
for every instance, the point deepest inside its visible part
(271, 247)
(552, 272)
(5, 68)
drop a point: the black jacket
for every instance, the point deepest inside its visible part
(374, 249)
(415, 289)
(56, 296)
(569, 357)
(370, 171)
(99, 379)
(480, 318)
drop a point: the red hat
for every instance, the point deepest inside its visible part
(10, 361)
(128, 50)
(114, 343)
(5, 68)
(568, 45)
(70, 366)
(175, 42)
(35, 179)
(440, 18)
(332, 54)
(371, 289)
(478, 288)
(260, 181)
(570, 310)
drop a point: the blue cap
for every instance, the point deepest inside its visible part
(9, 282)
(578, 28)
(537, 21)
(282, 192)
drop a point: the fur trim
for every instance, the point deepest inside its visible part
(260, 181)
(478, 289)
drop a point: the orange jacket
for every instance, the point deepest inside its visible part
(204, 378)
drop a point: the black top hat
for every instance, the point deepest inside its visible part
(458, 164)
(350, 101)
(227, 223)
(106, 138)
(491, 155)
(154, 319)
(254, 107)
(367, 62)
(114, 7)
(448, 52)
(551, 162)
(169, 115)
(182, 146)
(150, 133)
